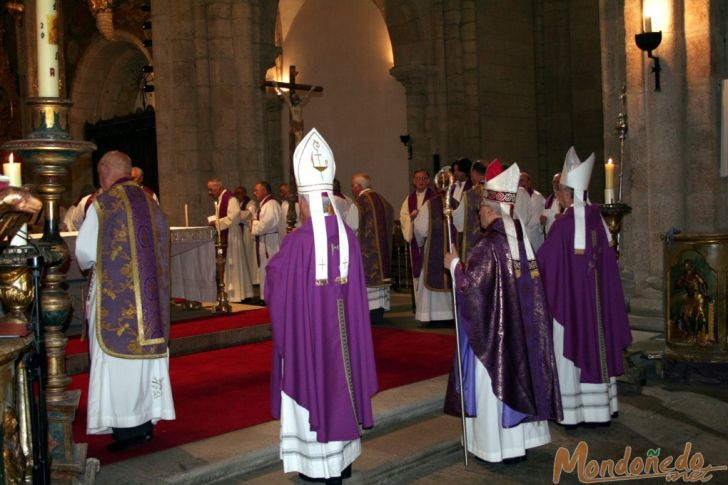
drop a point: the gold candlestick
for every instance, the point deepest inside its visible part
(223, 305)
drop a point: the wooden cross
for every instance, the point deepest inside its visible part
(295, 109)
(295, 122)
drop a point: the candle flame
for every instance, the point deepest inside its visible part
(610, 162)
(11, 159)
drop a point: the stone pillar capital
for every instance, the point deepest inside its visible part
(412, 77)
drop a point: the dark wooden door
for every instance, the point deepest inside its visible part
(135, 135)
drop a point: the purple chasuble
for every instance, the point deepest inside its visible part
(505, 324)
(376, 219)
(132, 273)
(323, 357)
(415, 256)
(222, 208)
(471, 221)
(585, 296)
(436, 277)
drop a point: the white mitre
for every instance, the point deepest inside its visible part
(576, 174)
(315, 169)
(503, 189)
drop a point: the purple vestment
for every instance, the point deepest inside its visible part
(585, 296)
(435, 278)
(415, 256)
(132, 273)
(376, 219)
(549, 201)
(222, 213)
(504, 322)
(323, 356)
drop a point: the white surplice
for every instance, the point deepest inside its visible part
(301, 452)
(407, 224)
(487, 438)
(238, 283)
(431, 305)
(535, 228)
(550, 214)
(122, 393)
(247, 214)
(582, 403)
(265, 226)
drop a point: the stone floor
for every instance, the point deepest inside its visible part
(414, 443)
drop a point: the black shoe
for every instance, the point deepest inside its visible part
(121, 445)
(247, 301)
(327, 481)
(346, 472)
(376, 316)
(513, 461)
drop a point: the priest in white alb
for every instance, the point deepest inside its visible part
(124, 242)
(248, 208)
(264, 227)
(226, 220)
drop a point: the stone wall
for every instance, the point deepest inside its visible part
(672, 149)
(211, 113)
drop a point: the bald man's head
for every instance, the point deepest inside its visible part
(113, 166)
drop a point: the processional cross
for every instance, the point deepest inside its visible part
(286, 92)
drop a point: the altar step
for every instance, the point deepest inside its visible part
(251, 454)
(201, 342)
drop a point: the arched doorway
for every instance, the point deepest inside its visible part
(106, 90)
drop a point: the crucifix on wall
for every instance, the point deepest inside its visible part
(287, 94)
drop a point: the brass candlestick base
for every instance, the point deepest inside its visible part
(51, 150)
(613, 214)
(223, 305)
(16, 293)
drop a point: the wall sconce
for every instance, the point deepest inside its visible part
(649, 41)
(407, 141)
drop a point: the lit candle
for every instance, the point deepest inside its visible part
(47, 42)
(187, 217)
(609, 182)
(648, 24)
(12, 171)
(217, 217)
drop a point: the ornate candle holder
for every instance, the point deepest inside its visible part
(223, 305)
(51, 150)
(16, 293)
(613, 214)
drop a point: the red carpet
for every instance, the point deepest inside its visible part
(224, 390)
(195, 326)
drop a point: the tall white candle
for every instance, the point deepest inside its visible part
(12, 170)
(217, 217)
(47, 42)
(187, 217)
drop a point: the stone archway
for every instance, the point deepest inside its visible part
(104, 86)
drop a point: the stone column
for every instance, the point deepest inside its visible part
(702, 120)
(414, 79)
(655, 169)
(210, 110)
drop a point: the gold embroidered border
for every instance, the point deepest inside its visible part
(99, 291)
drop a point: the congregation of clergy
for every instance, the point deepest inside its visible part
(538, 301)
